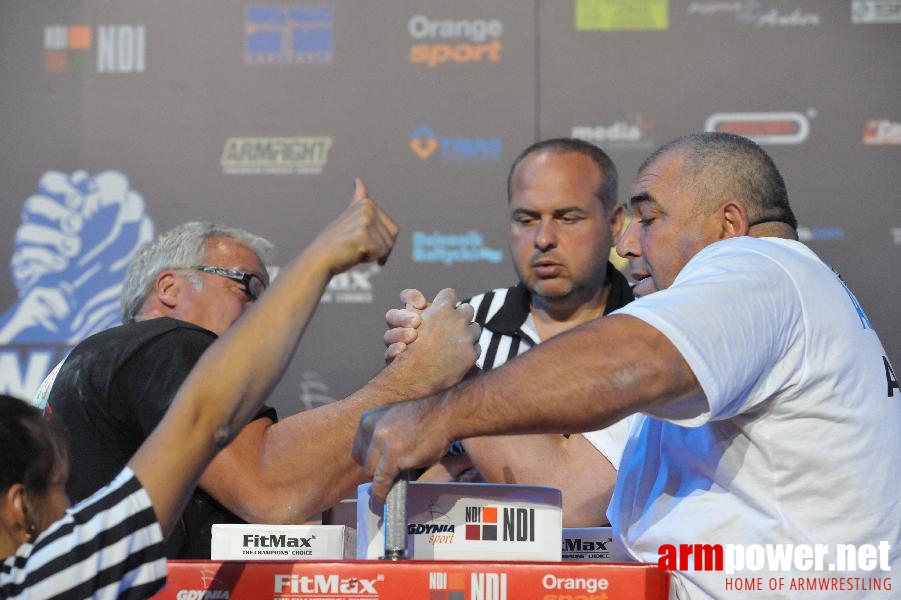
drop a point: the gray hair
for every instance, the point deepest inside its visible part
(182, 247)
(724, 165)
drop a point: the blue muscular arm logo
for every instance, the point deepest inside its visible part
(77, 235)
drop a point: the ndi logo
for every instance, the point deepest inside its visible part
(518, 524)
(279, 35)
(481, 523)
(120, 48)
(483, 586)
(425, 142)
(447, 586)
(77, 236)
(448, 249)
(488, 586)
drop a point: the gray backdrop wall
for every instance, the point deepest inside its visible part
(120, 119)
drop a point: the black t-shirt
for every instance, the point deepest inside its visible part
(111, 392)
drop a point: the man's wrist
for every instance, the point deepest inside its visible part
(397, 381)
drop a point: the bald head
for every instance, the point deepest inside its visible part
(718, 167)
(608, 177)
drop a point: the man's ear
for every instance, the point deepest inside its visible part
(735, 220)
(617, 223)
(168, 288)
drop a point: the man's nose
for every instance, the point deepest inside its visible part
(546, 235)
(627, 246)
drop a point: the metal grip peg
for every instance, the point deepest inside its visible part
(395, 519)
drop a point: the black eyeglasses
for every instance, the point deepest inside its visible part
(253, 284)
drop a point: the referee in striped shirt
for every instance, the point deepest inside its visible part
(564, 219)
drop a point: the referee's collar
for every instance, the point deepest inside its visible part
(509, 319)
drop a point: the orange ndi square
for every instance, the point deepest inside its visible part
(79, 37)
(456, 581)
(489, 514)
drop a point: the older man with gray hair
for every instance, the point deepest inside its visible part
(181, 292)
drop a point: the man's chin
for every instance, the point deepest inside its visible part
(551, 288)
(644, 287)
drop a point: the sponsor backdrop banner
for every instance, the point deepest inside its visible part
(122, 119)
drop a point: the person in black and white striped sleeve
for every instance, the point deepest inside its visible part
(564, 219)
(110, 545)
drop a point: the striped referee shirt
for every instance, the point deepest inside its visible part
(507, 330)
(110, 545)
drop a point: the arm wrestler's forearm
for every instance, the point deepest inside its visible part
(581, 380)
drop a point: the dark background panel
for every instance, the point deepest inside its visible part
(165, 127)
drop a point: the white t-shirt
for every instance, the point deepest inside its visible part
(799, 440)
